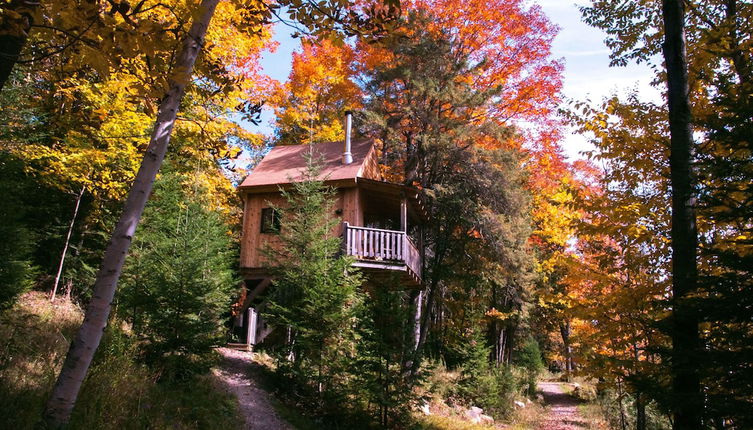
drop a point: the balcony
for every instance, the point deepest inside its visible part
(380, 252)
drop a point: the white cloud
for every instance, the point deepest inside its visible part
(587, 73)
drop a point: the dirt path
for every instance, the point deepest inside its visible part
(253, 401)
(562, 409)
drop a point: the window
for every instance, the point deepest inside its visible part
(270, 220)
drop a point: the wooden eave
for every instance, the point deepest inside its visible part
(273, 188)
(396, 192)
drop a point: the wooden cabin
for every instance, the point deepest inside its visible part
(380, 222)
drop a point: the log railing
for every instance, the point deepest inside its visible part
(375, 244)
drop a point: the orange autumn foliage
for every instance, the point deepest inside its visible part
(515, 43)
(320, 88)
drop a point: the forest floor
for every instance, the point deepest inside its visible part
(254, 403)
(562, 408)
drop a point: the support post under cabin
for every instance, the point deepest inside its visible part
(251, 328)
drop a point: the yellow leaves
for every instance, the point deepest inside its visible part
(103, 152)
(494, 314)
(98, 98)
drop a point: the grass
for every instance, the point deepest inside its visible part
(35, 336)
(528, 417)
(593, 415)
(438, 422)
(119, 392)
(292, 416)
(523, 419)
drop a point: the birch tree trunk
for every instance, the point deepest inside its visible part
(686, 389)
(64, 394)
(65, 247)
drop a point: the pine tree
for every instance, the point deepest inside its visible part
(529, 357)
(437, 136)
(384, 342)
(15, 247)
(315, 290)
(726, 257)
(179, 279)
(482, 383)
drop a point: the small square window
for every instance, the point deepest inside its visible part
(270, 220)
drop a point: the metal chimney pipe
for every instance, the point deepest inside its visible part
(347, 156)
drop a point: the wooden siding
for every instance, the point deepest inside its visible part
(352, 206)
(253, 240)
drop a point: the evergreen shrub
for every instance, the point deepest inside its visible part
(529, 359)
(16, 269)
(178, 280)
(484, 384)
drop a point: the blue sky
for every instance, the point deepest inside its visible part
(587, 72)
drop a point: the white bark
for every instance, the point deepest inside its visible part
(63, 397)
(417, 320)
(65, 247)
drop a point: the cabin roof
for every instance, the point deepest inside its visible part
(284, 163)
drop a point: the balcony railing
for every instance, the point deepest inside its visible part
(382, 246)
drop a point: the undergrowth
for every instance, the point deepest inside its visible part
(449, 402)
(119, 392)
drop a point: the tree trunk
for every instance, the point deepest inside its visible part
(430, 294)
(63, 397)
(568, 349)
(686, 391)
(640, 411)
(500, 342)
(423, 329)
(418, 302)
(740, 60)
(13, 35)
(65, 246)
(623, 419)
(415, 316)
(640, 403)
(68, 289)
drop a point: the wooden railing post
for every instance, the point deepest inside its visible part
(346, 238)
(404, 214)
(404, 245)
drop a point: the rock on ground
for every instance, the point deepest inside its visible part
(235, 376)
